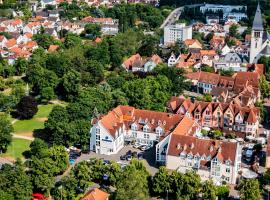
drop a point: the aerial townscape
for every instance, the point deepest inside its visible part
(134, 100)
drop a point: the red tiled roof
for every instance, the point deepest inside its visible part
(96, 194)
(224, 151)
(127, 115)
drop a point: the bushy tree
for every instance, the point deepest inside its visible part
(15, 183)
(27, 107)
(161, 181)
(5, 133)
(249, 189)
(133, 183)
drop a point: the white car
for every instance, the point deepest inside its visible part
(145, 147)
(137, 145)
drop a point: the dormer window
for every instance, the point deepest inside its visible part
(146, 129)
(159, 130)
(134, 127)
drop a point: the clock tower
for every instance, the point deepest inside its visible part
(256, 36)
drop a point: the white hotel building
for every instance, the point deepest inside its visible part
(173, 33)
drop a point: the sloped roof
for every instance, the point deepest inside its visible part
(224, 151)
(258, 22)
(266, 50)
(96, 194)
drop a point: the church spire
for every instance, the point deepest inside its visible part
(258, 22)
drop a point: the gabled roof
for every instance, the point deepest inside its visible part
(266, 50)
(224, 151)
(95, 194)
(258, 22)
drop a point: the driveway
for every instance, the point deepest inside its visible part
(148, 160)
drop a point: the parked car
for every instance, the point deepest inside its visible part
(140, 155)
(106, 162)
(129, 157)
(71, 161)
(129, 152)
(123, 157)
(145, 147)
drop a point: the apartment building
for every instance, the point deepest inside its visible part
(226, 116)
(211, 159)
(125, 123)
(177, 32)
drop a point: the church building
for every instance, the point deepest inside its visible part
(260, 40)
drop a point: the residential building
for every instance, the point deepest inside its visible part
(208, 57)
(177, 32)
(236, 11)
(212, 19)
(260, 40)
(210, 159)
(137, 63)
(193, 44)
(173, 60)
(45, 3)
(95, 194)
(126, 123)
(109, 26)
(225, 116)
(231, 61)
(245, 84)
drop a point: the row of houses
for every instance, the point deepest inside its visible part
(230, 116)
(179, 145)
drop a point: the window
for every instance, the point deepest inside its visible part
(146, 136)
(145, 129)
(97, 130)
(228, 170)
(134, 134)
(97, 137)
(134, 127)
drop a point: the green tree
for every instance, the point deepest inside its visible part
(161, 181)
(223, 191)
(5, 133)
(264, 87)
(94, 30)
(249, 189)
(27, 107)
(208, 190)
(44, 40)
(71, 83)
(47, 94)
(15, 183)
(133, 183)
(20, 65)
(148, 46)
(72, 40)
(233, 31)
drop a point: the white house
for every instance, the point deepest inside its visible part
(125, 123)
(173, 60)
(177, 32)
(211, 159)
(231, 61)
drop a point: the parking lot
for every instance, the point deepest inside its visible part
(148, 157)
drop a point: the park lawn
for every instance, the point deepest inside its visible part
(26, 127)
(17, 147)
(44, 110)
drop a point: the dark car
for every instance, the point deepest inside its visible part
(106, 162)
(123, 157)
(129, 157)
(129, 152)
(140, 155)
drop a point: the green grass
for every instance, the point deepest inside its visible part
(28, 126)
(17, 147)
(44, 110)
(23, 126)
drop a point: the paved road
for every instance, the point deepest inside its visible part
(149, 159)
(175, 14)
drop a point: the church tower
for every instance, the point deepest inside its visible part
(256, 36)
